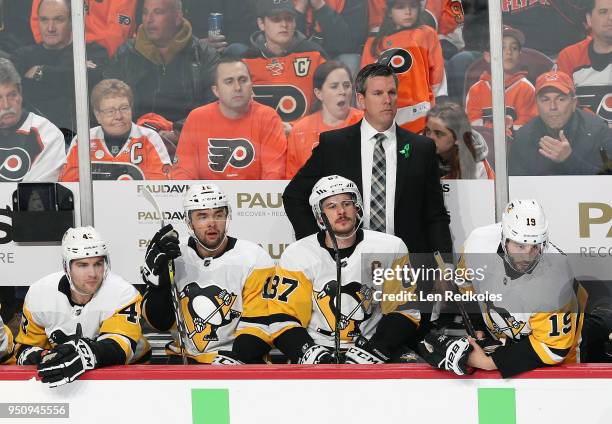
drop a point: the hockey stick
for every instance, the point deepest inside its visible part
(178, 313)
(464, 315)
(338, 313)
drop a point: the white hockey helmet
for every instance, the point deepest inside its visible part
(330, 186)
(81, 243)
(205, 196)
(524, 222)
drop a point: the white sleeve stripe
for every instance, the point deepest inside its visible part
(551, 355)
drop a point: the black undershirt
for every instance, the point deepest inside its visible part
(114, 143)
(345, 252)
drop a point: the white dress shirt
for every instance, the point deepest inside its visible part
(367, 156)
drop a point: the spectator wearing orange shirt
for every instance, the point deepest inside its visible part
(413, 50)
(119, 149)
(234, 138)
(107, 22)
(333, 89)
(462, 152)
(281, 61)
(519, 92)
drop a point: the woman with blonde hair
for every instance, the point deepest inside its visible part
(119, 148)
(461, 151)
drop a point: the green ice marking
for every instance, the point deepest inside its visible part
(210, 406)
(496, 406)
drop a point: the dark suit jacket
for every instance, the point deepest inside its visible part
(421, 219)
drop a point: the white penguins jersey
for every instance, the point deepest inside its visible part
(113, 312)
(6, 343)
(220, 297)
(538, 314)
(303, 291)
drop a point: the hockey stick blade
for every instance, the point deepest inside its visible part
(149, 198)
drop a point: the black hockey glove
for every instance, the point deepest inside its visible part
(31, 356)
(446, 352)
(164, 246)
(317, 354)
(364, 353)
(66, 362)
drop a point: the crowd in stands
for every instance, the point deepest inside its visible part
(172, 100)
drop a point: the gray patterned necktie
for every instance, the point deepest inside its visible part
(378, 217)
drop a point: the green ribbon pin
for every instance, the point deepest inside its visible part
(405, 151)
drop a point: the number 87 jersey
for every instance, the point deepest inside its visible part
(303, 291)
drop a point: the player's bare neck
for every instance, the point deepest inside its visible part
(343, 243)
(212, 253)
(80, 299)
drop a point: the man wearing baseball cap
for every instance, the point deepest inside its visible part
(561, 140)
(282, 61)
(273, 7)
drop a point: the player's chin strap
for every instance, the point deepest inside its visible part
(208, 249)
(354, 230)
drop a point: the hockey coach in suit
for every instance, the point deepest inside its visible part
(395, 170)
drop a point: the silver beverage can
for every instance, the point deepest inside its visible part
(215, 24)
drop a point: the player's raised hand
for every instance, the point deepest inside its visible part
(555, 150)
(164, 246)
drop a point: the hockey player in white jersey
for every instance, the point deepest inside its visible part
(81, 318)
(532, 306)
(6, 343)
(302, 295)
(219, 280)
